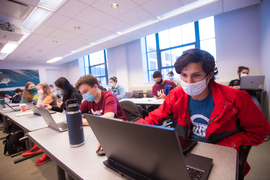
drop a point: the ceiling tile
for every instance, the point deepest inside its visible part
(74, 44)
(140, 1)
(56, 20)
(31, 2)
(185, 2)
(89, 2)
(49, 40)
(69, 9)
(28, 43)
(114, 25)
(136, 34)
(230, 5)
(154, 28)
(85, 39)
(45, 30)
(48, 45)
(64, 48)
(105, 6)
(158, 7)
(59, 33)
(69, 26)
(92, 16)
(35, 37)
(178, 20)
(135, 16)
(98, 33)
(206, 11)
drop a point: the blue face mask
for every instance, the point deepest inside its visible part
(111, 84)
(59, 92)
(89, 97)
(170, 78)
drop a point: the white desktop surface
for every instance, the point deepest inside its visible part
(84, 163)
(144, 101)
(33, 122)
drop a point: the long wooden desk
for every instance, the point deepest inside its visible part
(84, 163)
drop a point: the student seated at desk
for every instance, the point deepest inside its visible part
(100, 87)
(17, 96)
(158, 89)
(98, 102)
(68, 91)
(46, 97)
(117, 89)
(207, 111)
(171, 77)
(30, 93)
(242, 71)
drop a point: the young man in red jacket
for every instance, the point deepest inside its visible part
(207, 111)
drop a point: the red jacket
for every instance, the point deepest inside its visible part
(236, 120)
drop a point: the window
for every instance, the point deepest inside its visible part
(163, 48)
(96, 64)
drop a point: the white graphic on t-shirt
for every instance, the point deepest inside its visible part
(160, 92)
(97, 112)
(199, 129)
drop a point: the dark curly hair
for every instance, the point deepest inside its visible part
(194, 56)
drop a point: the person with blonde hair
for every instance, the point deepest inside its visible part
(30, 93)
(46, 97)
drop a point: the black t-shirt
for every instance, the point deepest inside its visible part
(234, 82)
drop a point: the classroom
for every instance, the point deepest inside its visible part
(80, 37)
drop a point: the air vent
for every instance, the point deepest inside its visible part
(15, 9)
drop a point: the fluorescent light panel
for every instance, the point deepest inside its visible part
(54, 59)
(185, 8)
(37, 16)
(9, 48)
(3, 56)
(50, 4)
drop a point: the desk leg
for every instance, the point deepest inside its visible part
(60, 173)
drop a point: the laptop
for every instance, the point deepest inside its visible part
(138, 151)
(34, 109)
(61, 127)
(252, 82)
(13, 108)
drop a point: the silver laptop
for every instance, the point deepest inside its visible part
(35, 111)
(139, 151)
(62, 126)
(252, 82)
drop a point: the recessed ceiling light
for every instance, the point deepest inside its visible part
(29, 57)
(77, 27)
(55, 41)
(39, 50)
(114, 5)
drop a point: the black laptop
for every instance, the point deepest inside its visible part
(138, 151)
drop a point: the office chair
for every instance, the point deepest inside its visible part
(132, 111)
(149, 93)
(243, 154)
(136, 94)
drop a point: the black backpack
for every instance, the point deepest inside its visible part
(12, 143)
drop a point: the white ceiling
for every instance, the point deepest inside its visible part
(97, 20)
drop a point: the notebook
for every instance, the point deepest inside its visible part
(34, 109)
(62, 126)
(138, 151)
(252, 82)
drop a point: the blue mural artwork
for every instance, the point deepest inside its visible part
(17, 78)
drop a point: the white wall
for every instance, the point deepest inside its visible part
(265, 49)
(72, 71)
(237, 42)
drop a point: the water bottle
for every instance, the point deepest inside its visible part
(167, 89)
(74, 123)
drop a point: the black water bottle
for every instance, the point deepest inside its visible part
(74, 123)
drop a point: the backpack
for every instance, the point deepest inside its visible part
(12, 143)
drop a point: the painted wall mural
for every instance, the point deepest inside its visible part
(17, 78)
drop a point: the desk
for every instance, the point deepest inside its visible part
(84, 163)
(144, 101)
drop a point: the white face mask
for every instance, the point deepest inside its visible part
(243, 75)
(194, 89)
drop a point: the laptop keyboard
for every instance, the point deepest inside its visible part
(194, 174)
